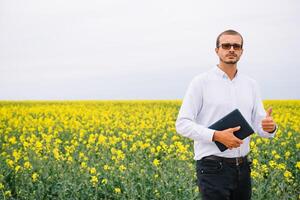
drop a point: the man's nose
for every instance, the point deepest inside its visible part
(231, 48)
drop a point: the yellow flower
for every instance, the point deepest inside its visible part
(122, 168)
(81, 155)
(255, 162)
(104, 181)
(56, 154)
(258, 141)
(152, 150)
(16, 155)
(281, 166)
(94, 180)
(12, 140)
(1, 186)
(133, 148)
(158, 148)
(288, 175)
(27, 165)
(34, 177)
(254, 174)
(156, 162)
(70, 159)
(101, 139)
(264, 169)
(117, 190)
(273, 152)
(17, 168)
(156, 193)
(106, 167)
(93, 170)
(144, 145)
(298, 165)
(38, 146)
(272, 163)
(10, 163)
(175, 137)
(277, 156)
(182, 157)
(7, 193)
(83, 165)
(287, 154)
(283, 143)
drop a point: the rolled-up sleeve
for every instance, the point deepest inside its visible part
(191, 106)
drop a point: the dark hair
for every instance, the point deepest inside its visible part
(228, 32)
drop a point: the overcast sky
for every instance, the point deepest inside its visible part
(116, 49)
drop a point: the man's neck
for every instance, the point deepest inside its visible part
(229, 69)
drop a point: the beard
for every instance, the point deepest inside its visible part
(231, 61)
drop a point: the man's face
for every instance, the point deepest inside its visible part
(229, 50)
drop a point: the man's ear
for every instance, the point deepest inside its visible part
(216, 50)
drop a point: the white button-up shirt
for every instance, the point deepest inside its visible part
(211, 96)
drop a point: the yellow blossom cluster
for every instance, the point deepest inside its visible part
(128, 149)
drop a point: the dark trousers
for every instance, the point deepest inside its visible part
(222, 180)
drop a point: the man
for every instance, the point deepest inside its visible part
(210, 96)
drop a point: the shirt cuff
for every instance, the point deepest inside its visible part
(206, 134)
(275, 130)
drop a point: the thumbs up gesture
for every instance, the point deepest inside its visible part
(268, 123)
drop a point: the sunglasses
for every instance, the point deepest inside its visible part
(228, 46)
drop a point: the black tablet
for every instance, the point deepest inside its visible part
(231, 120)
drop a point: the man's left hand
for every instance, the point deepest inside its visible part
(268, 123)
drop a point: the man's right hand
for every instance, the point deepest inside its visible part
(227, 137)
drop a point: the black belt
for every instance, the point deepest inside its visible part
(236, 161)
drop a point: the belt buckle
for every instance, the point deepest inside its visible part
(237, 161)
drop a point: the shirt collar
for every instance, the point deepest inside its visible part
(219, 72)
